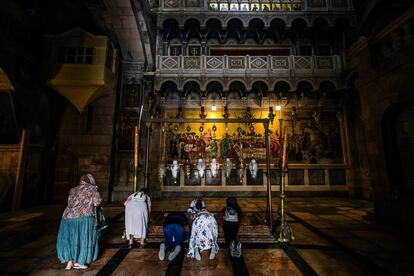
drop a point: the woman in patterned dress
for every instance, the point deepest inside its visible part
(77, 241)
(204, 234)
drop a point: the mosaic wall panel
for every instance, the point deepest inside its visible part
(310, 141)
(169, 179)
(170, 4)
(234, 178)
(274, 177)
(337, 177)
(296, 177)
(316, 176)
(192, 63)
(214, 62)
(170, 62)
(194, 180)
(236, 62)
(254, 181)
(318, 3)
(280, 62)
(258, 62)
(324, 63)
(213, 181)
(303, 62)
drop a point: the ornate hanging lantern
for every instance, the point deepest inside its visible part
(175, 169)
(214, 167)
(253, 168)
(229, 166)
(201, 167)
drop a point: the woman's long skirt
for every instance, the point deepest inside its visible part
(136, 219)
(77, 240)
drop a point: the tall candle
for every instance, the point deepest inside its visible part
(284, 149)
(136, 146)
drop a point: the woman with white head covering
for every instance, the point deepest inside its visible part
(137, 210)
(77, 241)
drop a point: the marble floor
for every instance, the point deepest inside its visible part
(333, 236)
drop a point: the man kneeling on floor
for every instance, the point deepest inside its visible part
(173, 234)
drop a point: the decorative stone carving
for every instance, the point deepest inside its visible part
(133, 72)
(171, 4)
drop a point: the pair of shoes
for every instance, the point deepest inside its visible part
(197, 255)
(174, 254)
(79, 266)
(213, 252)
(235, 249)
(161, 254)
(238, 250)
(233, 252)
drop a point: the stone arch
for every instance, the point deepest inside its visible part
(327, 87)
(255, 30)
(233, 19)
(261, 87)
(238, 86)
(168, 86)
(277, 28)
(282, 89)
(192, 28)
(170, 29)
(321, 21)
(299, 20)
(304, 88)
(191, 86)
(214, 86)
(213, 28)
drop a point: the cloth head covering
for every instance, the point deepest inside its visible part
(193, 203)
(87, 179)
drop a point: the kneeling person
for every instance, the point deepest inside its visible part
(173, 234)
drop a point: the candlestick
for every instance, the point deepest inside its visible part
(284, 149)
(135, 156)
(136, 136)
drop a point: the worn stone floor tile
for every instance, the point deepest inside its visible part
(219, 266)
(333, 262)
(384, 240)
(142, 262)
(304, 236)
(269, 262)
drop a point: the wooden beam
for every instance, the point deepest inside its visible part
(189, 121)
